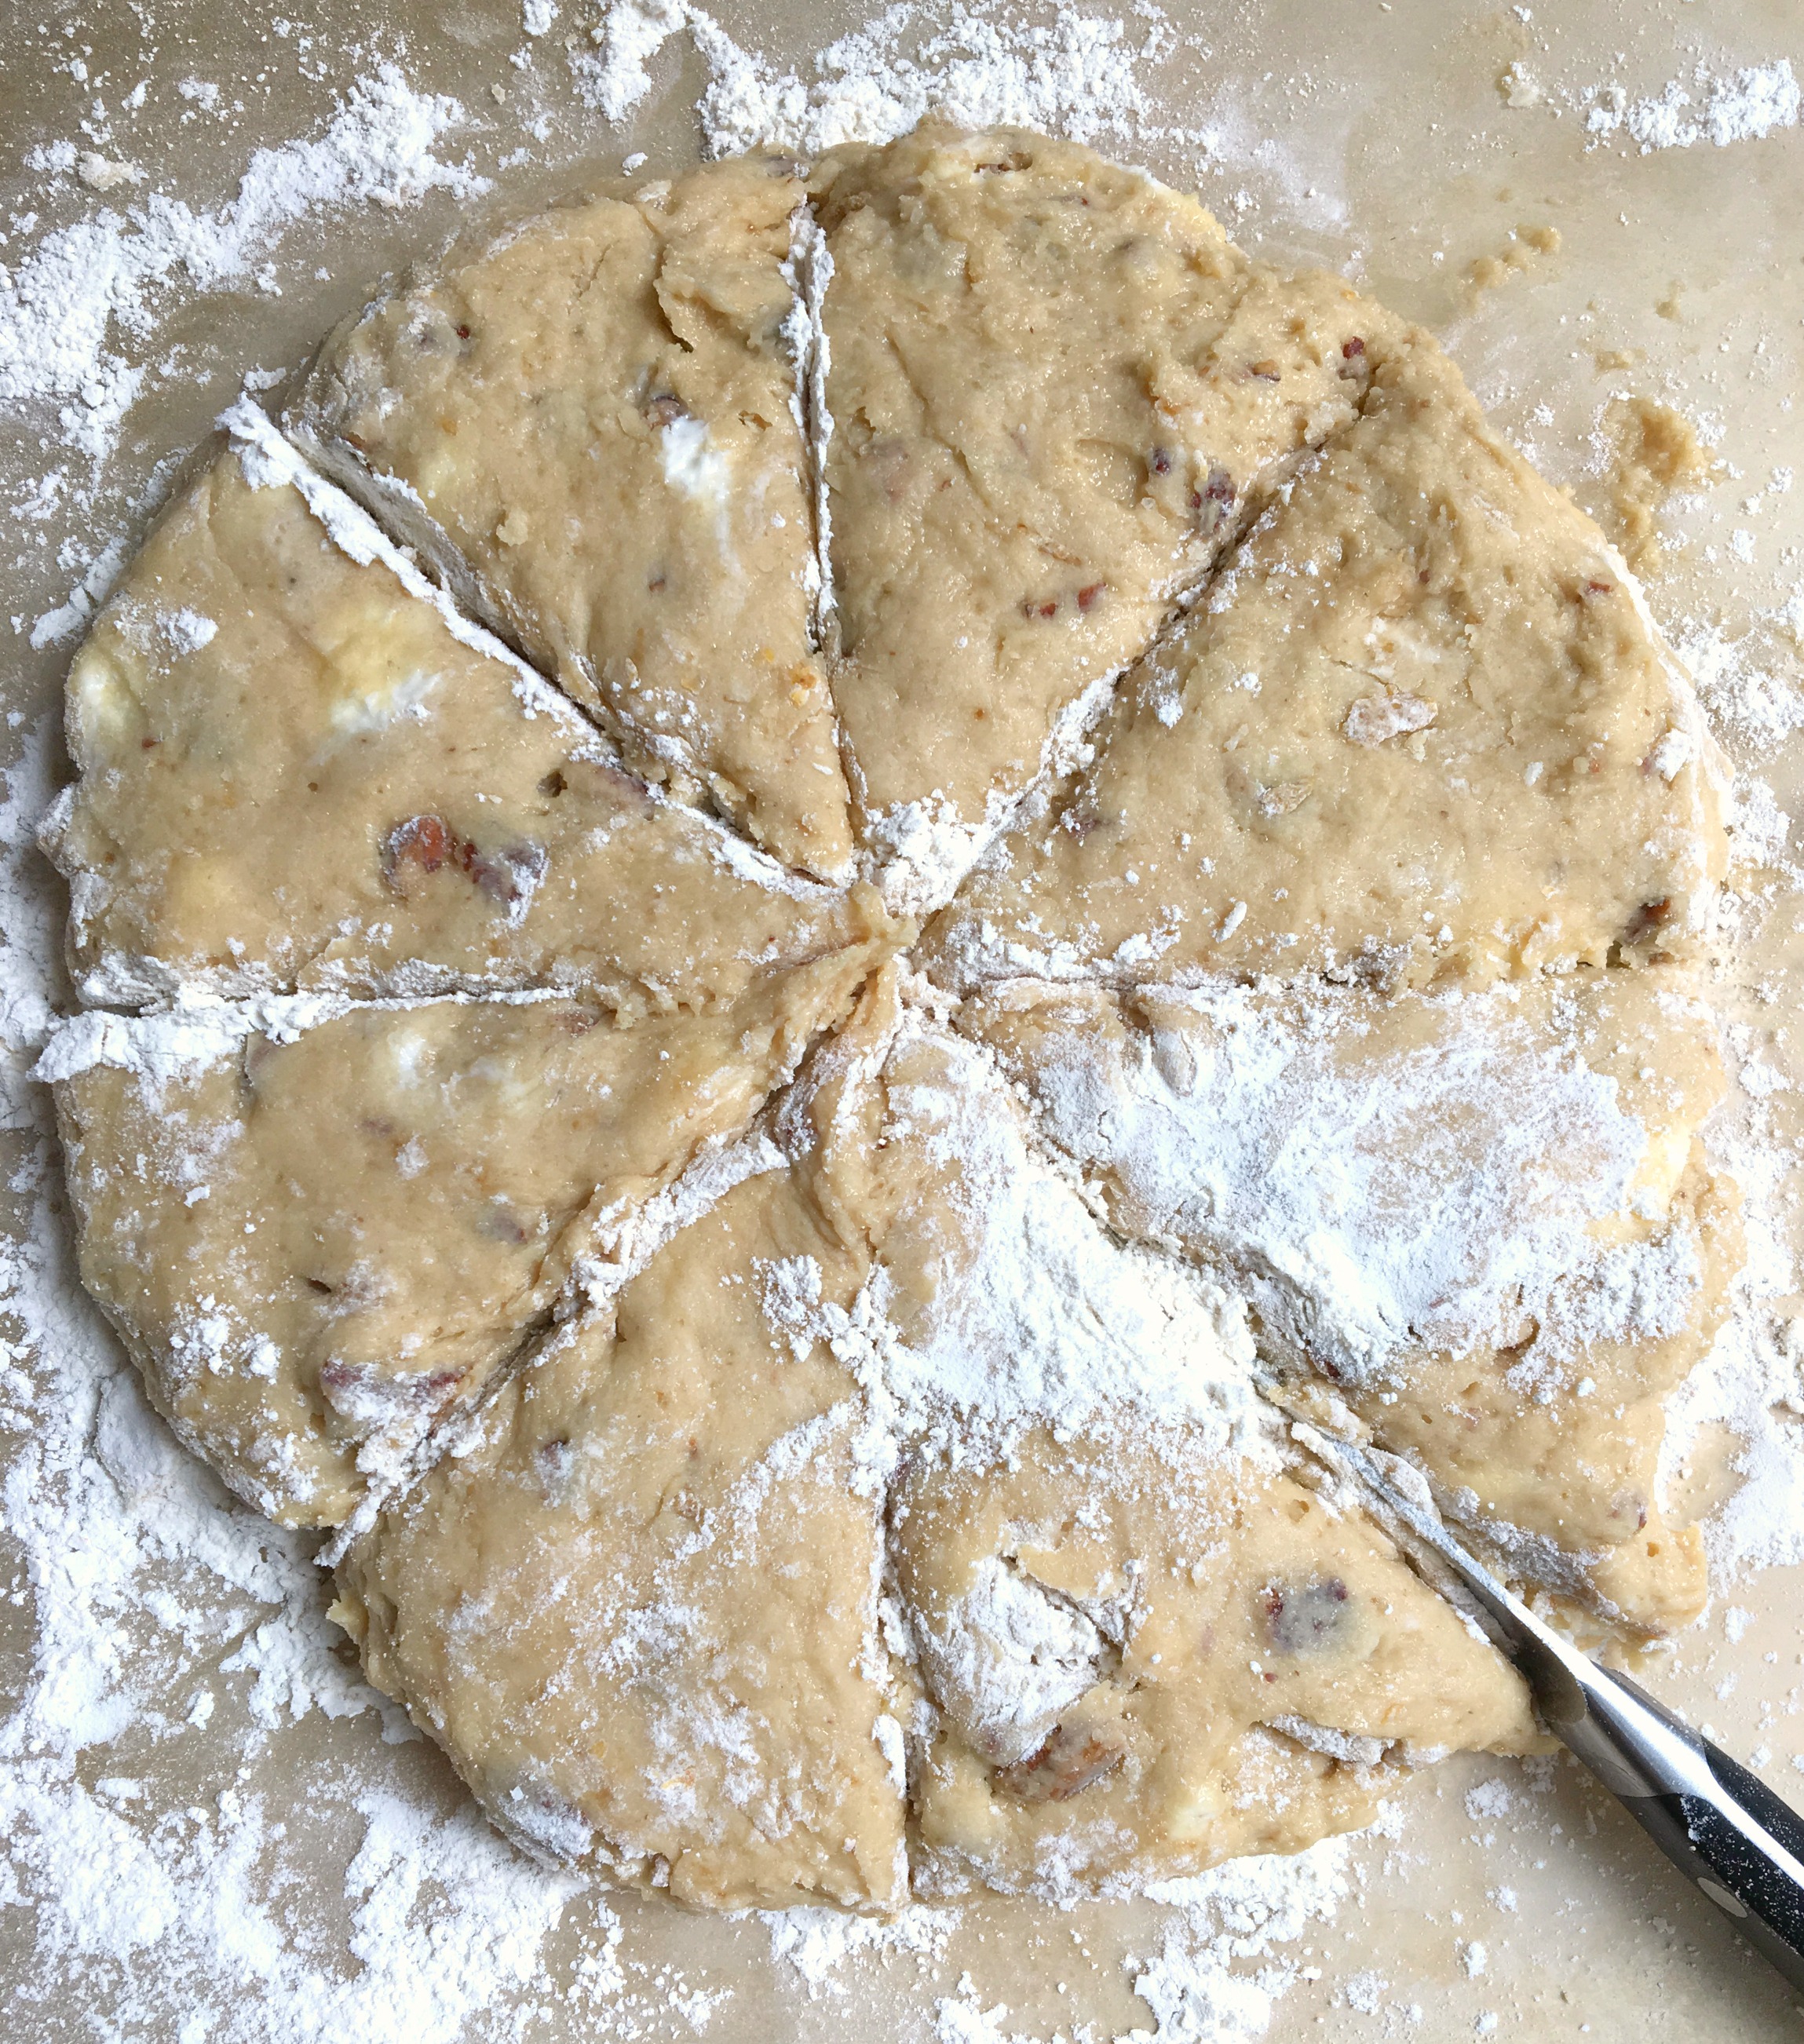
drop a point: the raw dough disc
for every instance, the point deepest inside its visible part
(1483, 1219)
(1421, 729)
(1056, 389)
(293, 774)
(316, 1240)
(590, 426)
(913, 1434)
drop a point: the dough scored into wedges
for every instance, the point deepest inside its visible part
(590, 427)
(317, 1240)
(810, 1416)
(1485, 1221)
(640, 1613)
(1420, 729)
(294, 773)
(1056, 388)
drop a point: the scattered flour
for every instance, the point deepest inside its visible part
(1000, 1304)
(976, 65)
(70, 310)
(1742, 107)
(1432, 1194)
(1236, 1914)
(819, 1943)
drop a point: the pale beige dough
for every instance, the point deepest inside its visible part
(1238, 1665)
(1420, 729)
(315, 1248)
(834, 1488)
(1056, 388)
(293, 774)
(640, 1615)
(588, 424)
(569, 1607)
(1485, 1221)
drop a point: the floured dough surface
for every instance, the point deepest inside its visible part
(809, 1411)
(1146, 1662)
(1485, 1220)
(590, 424)
(640, 1613)
(1420, 729)
(1095, 1636)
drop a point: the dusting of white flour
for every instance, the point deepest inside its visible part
(974, 66)
(70, 308)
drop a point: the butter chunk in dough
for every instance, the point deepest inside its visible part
(317, 1240)
(590, 427)
(1483, 1218)
(1054, 388)
(1420, 729)
(640, 1615)
(293, 775)
(1146, 1659)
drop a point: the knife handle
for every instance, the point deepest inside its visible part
(1723, 1829)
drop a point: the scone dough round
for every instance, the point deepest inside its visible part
(819, 885)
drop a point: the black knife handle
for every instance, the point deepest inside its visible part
(1761, 1896)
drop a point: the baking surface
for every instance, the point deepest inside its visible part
(269, 1864)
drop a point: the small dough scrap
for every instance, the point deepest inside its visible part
(318, 1240)
(1484, 1219)
(590, 427)
(1141, 1615)
(1657, 454)
(1421, 729)
(1056, 388)
(293, 774)
(641, 1614)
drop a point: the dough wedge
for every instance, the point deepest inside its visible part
(296, 772)
(1056, 388)
(589, 426)
(1420, 730)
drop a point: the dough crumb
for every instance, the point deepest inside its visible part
(1656, 453)
(99, 174)
(1519, 86)
(1517, 255)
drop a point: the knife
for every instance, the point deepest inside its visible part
(1718, 1823)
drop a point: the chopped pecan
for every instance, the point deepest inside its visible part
(422, 844)
(1651, 915)
(1070, 1761)
(1215, 500)
(1311, 1618)
(508, 874)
